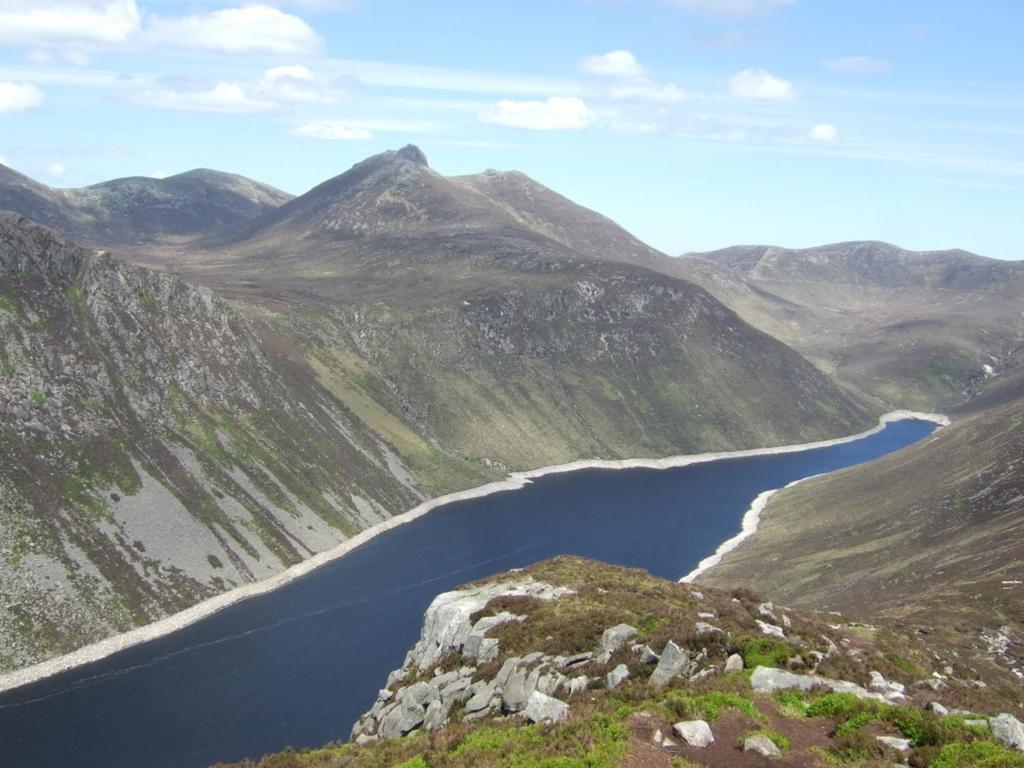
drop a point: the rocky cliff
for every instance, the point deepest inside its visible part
(575, 663)
(157, 448)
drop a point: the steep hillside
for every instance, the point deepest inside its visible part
(158, 448)
(503, 343)
(909, 329)
(141, 210)
(575, 664)
(932, 536)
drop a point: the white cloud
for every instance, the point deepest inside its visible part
(19, 97)
(647, 90)
(733, 8)
(758, 84)
(296, 84)
(558, 113)
(868, 64)
(250, 29)
(57, 22)
(56, 170)
(824, 132)
(222, 98)
(613, 64)
(331, 130)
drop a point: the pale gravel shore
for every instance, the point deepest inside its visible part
(752, 517)
(166, 626)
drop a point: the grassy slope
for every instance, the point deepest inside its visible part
(927, 536)
(607, 729)
(905, 329)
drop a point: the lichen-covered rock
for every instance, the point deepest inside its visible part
(696, 733)
(541, 708)
(1009, 730)
(761, 745)
(674, 661)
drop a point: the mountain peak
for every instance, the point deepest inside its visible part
(413, 154)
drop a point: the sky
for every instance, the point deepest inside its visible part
(696, 124)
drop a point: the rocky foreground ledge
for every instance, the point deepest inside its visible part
(574, 663)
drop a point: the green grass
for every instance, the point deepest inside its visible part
(764, 651)
(709, 706)
(977, 754)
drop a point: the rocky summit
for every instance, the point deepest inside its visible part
(572, 662)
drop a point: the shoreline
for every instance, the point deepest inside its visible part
(165, 626)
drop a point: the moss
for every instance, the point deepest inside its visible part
(38, 398)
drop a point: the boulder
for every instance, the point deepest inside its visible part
(614, 678)
(616, 637)
(648, 656)
(1009, 730)
(578, 684)
(900, 745)
(696, 733)
(770, 629)
(761, 745)
(541, 708)
(703, 628)
(769, 679)
(938, 709)
(674, 661)
(734, 663)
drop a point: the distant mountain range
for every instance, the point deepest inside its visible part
(904, 328)
(141, 210)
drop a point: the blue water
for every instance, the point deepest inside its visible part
(297, 666)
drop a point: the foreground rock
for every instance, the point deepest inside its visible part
(696, 733)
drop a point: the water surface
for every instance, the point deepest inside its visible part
(297, 666)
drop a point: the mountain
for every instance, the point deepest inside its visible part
(140, 210)
(391, 335)
(575, 663)
(909, 329)
(931, 536)
(502, 343)
(158, 448)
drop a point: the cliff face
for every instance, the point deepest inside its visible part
(576, 663)
(157, 448)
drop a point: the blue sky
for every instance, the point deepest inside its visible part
(694, 123)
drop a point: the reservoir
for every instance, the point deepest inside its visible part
(298, 665)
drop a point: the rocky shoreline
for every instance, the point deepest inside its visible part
(115, 643)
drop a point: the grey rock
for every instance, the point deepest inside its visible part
(696, 733)
(900, 745)
(674, 661)
(615, 637)
(648, 656)
(578, 684)
(769, 679)
(703, 628)
(541, 708)
(761, 745)
(481, 698)
(576, 660)
(938, 709)
(1009, 730)
(435, 717)
(615, 678)
(734, 663)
